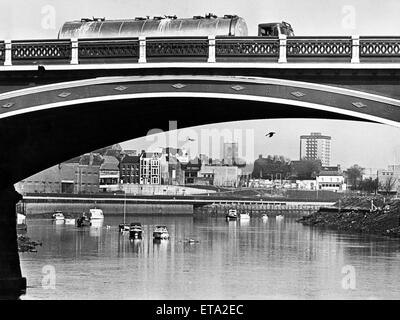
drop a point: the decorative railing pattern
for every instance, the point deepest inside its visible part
(319, 47)
(115, 48)
(183, 47)
(250, 49)
(247, 47)
(380, 47)
(34, 50)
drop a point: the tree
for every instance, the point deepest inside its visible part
(271, 167)
(369, 185)
(389, 184)
(305, 169)
(354, 176)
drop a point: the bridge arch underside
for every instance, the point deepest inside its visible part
(46, 125)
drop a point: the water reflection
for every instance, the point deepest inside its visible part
(226, 260)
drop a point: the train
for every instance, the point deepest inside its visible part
(169, 26)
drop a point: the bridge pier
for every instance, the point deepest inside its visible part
(12, 284)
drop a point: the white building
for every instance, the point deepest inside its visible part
(306, 184)
(316, 147)
(150, 171)
(332, 181)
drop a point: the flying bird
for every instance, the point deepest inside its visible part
(270, 134)
(190, 139)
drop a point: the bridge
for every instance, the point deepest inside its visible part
(60, 98)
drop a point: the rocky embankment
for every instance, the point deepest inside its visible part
(370, 215)
(25, 244)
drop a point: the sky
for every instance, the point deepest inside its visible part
(369, 145)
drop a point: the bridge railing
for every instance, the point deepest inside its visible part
(201, 49)
(38, 51)
(375, 49)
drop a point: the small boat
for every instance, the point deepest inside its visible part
(21, 221)
(70, 221)
(160, 232)
(58, 215)
(232, 215)
(21, 218)
(279, 217)
(264, 217)
(124, 227)
(135, 230)
(83, 221)
(244, 216)
(96, 214)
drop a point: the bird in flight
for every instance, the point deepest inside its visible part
(270, 134)
(190, 139)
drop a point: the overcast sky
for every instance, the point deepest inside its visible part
(370, 145)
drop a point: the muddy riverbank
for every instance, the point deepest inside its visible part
(370, 215)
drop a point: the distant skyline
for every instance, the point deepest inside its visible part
(369, 145)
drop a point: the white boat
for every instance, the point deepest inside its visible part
(264, 217)
(244, 216)
(58, 215)
(21, 219)
(70, 221)
(232, 214)
(279, 217)
(160, 232)
(96, 214)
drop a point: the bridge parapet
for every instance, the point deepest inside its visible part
(201, 49)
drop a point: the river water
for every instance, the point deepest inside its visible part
(232, 260)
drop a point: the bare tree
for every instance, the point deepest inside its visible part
(389, 184)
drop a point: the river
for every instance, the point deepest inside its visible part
(232, 260)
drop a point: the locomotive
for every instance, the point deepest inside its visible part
(168, 26)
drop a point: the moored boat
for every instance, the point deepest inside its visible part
(96, 214)
(232, 215)
(21, 221)
(58, 215)
(135, 230)
(70, 221)
(160, 232)
(83, 221)
(124, 227)
(264, 216)
(244, 216)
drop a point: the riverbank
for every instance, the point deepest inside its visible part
(370, 215)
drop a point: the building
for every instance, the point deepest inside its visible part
(389, 179)
(191, 170)
(109, 174)
(330, 180)
(226, 176)
(150, 170)
(231, 153)
(316, 147)
(87, 173)
(78, 175)
(129, 169)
